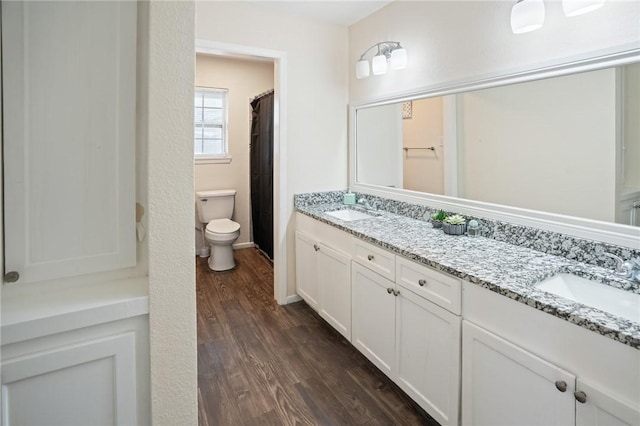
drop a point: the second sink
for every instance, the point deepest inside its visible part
(601, 296)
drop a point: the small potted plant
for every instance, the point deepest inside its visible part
(437, 218)
(454, 225)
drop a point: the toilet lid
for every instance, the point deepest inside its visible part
(222, 226)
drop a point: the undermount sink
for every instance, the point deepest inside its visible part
(601, 296)
(349, 215)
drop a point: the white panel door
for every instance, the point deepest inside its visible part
(69, 71)
(334, 288)
(373, 316)
(596, 408)
(503, 384)
(91, 383)
(428, 356)
(307, 269)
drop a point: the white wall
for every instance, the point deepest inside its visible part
(531, 145)
(317, 91)
(424, 169)
(379, 153)
(449, 41)
(244, 79)
(172, 304)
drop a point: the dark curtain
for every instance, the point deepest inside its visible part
(262, 172)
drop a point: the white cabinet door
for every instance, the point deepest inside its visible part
(503, 384)
(600, 409)
(334, 288)
(89, 383)
(69, 73)
(307, 269)
(373, 316)
(428, 356)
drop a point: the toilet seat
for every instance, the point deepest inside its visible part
(222, 226)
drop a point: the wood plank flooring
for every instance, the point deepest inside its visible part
(264, 364)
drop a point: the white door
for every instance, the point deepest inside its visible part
(503, 384)
(428, 356)
(69, 73)
(307, 269)
(373, 316)
(334, 288)
(596, 408)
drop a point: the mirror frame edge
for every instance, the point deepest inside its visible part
(607, 232)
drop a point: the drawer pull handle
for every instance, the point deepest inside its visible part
(389, 290)
(422, 282)
(370, 257)
(581, 397)
(315, 247)
(561, 385)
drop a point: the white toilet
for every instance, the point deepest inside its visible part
(215, 209)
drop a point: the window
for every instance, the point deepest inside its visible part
(210, 125)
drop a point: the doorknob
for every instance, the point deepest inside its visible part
(11, 277)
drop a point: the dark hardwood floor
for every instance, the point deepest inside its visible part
(264, 364)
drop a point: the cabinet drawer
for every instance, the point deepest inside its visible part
(441, 289)
(376, 259)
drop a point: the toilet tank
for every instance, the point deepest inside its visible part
(216, 204)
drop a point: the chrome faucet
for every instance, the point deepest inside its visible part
(364, 202)
(629, 269)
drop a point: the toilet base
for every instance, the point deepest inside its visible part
(221, 258)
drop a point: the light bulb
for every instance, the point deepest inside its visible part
(527, 15)
(379, 64)
(362, 69)
(398, 59)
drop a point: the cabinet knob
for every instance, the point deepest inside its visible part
(389, 290)
(315, 247)
(580, 396)
(561, 385)
(422, 282)
(396, 293)
(370, 257)
(11, 277)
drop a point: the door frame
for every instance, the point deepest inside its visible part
(279, 59)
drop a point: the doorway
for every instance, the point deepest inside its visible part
(278, 59)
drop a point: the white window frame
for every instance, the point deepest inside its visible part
(223, 158)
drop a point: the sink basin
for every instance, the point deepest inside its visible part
(349, 215)
(592, 293)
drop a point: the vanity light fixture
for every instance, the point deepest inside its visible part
(580, 7)
(527, 15)
(389, 53)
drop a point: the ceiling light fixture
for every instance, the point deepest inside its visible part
(580, 7)
(389, 53)
(527, 15)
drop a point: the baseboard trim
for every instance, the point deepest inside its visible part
(238, 246)
(293, 298)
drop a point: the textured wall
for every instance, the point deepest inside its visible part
(449, 41)
(171, 213)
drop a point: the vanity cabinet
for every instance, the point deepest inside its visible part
(537, 369)
(323, 272)
(506, 385)
(412, 340)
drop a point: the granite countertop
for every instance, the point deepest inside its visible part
(498, 266)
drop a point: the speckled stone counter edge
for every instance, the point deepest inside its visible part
(573, 248)
(616, 328)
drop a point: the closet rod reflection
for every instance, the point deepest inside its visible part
(430, 148)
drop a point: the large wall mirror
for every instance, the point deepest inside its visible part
(566, 145)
